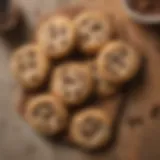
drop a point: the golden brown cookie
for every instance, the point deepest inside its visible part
(93, 30)
(102, 86)
(72, 82)
(118, 62)
(46, 114)
(30, 66)
(90, 128)
(56, 36)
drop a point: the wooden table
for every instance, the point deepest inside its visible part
(137, 134)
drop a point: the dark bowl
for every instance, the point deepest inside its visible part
(139, 17)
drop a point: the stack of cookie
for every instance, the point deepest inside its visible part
(76, 60)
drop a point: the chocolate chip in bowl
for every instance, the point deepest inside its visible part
(143, 11)
(146, 6)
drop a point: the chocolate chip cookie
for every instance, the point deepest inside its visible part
(30, 66)
(118, 62)
(56, 36)
(93, 30)
(46, 114)
(90, 128)
(72, 82)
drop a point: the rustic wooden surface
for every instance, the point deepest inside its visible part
(137, 137)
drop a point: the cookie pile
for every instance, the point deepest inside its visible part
(75, 59)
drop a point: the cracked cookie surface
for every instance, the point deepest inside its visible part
(93, 30)
(30, 66)
(56, 36)
(72, 82)
(46, 114)
(90, 128)
(118, 62)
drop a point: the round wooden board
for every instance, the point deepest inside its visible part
(137, 132)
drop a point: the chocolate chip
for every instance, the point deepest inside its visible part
(146, 6)
(50, 48)
(84, 36)
(22, 67)
(52, 32)
(25, 66)
(66, 92)
(45, 110)
(96, 27)
(123, 53)
(85, 22)
(90, 127)
(32, 64)
(117, 59)
(155, 112)
(34, 78)
(68, 80)
(135, 121)
(80, 76)
(111, 68)
(78, 92)
(63, 42)
(62, 31)
(57, 32)
(31, 54)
